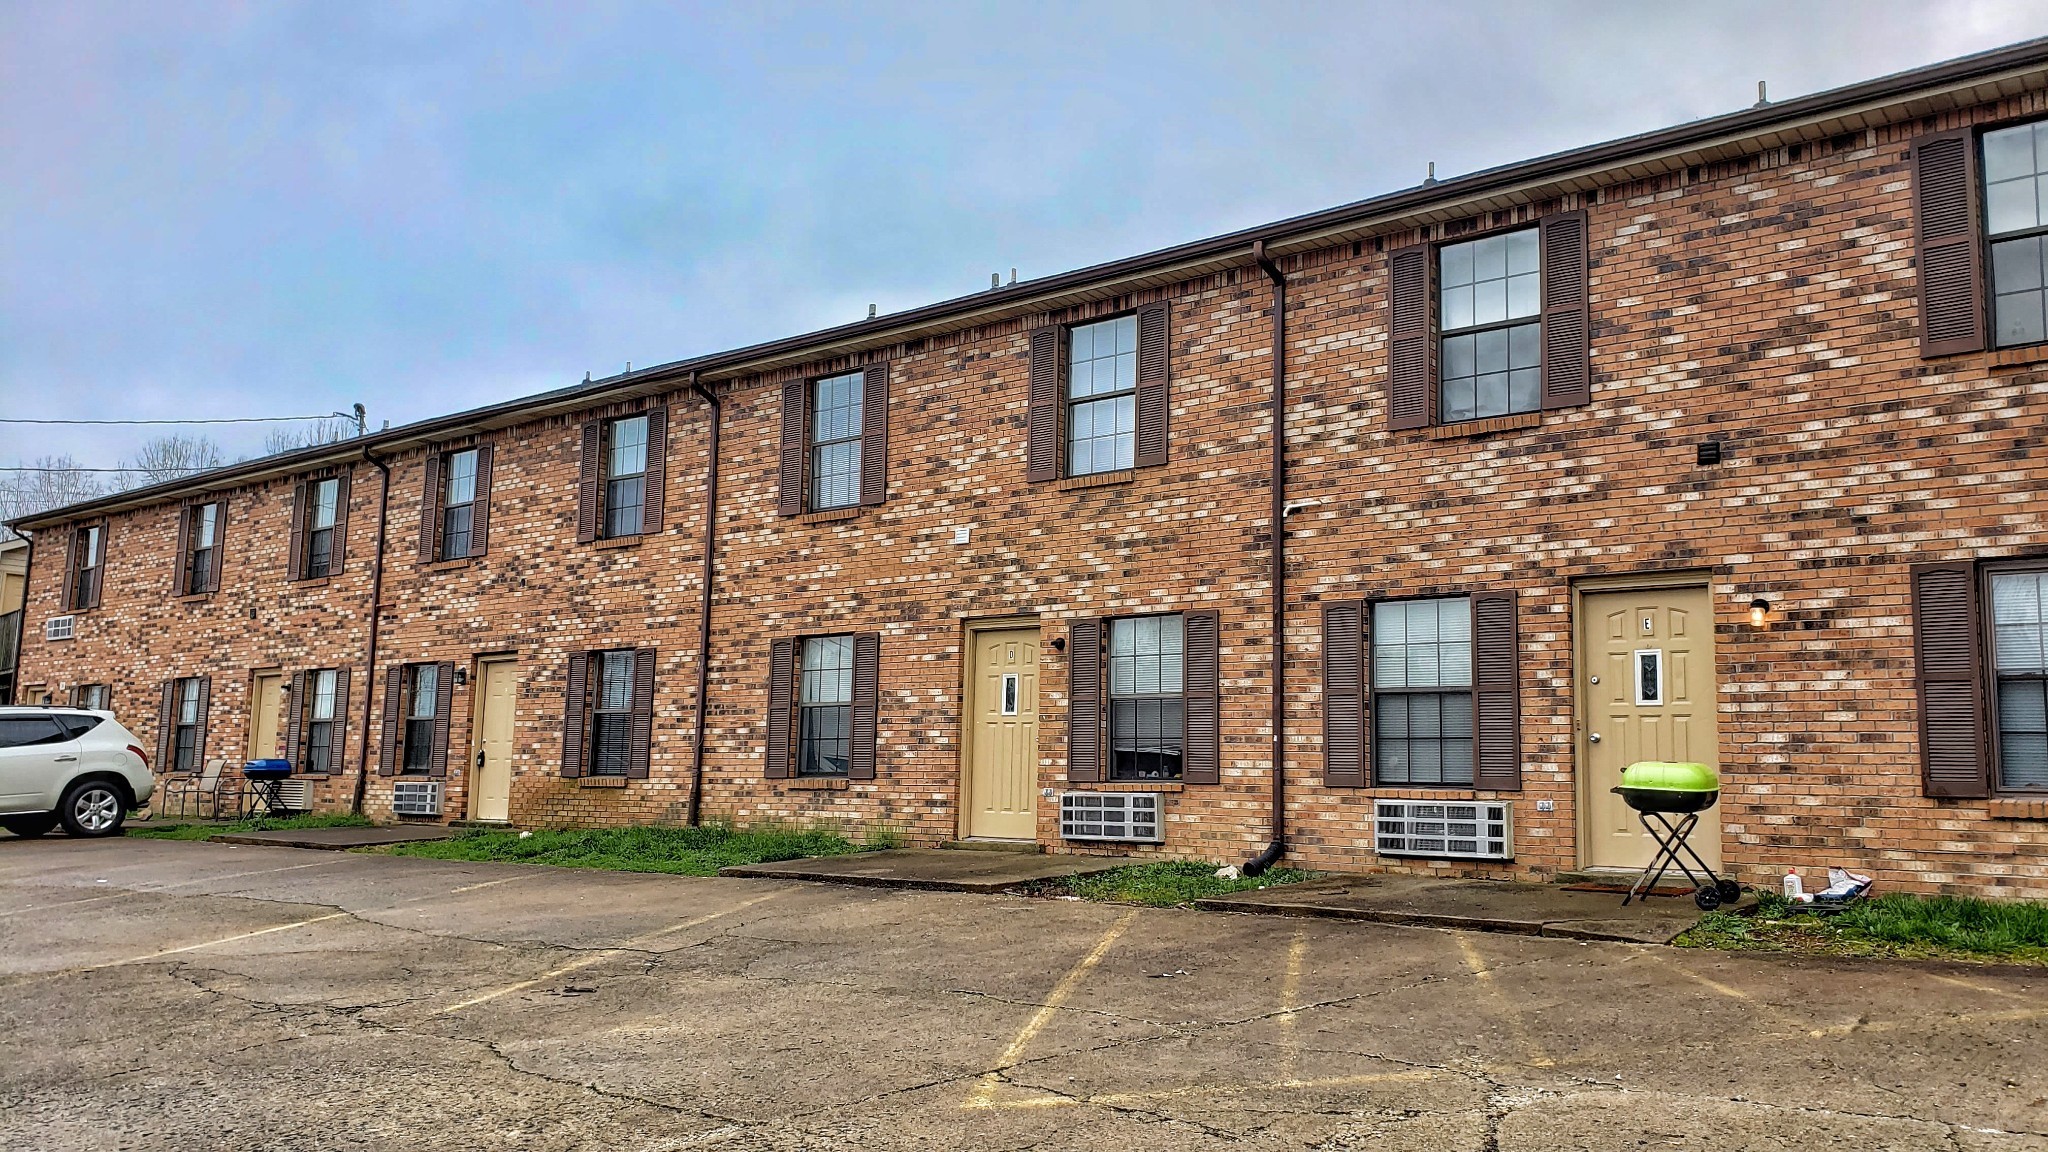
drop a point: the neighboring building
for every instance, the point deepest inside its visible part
(13, 597)
(1717, 443)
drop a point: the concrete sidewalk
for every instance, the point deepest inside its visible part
(337, 839)
(1472, 905)
(932, 869)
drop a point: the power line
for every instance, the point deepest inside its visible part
(4, 468)
(223, 420)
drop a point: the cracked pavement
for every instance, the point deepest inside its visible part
(193, 996)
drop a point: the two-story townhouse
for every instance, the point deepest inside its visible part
(1714, 443)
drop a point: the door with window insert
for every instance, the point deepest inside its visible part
(1002, 707)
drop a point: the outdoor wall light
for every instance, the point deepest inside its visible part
(1059, 643)
(462, 674)
(1759, 612)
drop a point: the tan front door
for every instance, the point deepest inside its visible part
(266, 696)
(490, 790)
(1646, 675)
(1002, 709)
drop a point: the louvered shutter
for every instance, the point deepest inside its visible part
(781, 702)
(166, 726)
(71, 600)
(340, 525)
(1947, 641)
(642, 749)
(294, 724)
(1084, 701)
(339, 744)
(1411, 337)
(182, 576)
(575, 713)
(1154, 327)
(1567, 376)
(589, 479)
(220, 544)
(791, 469)
(874, 435)
(431, 493)
(444, 711)
(1048, 356)
(1202, 698)
(1344, 698)
(867, 691)
(99, 574)
(199, 734)
(1496, 691)
(654, 486)
(480, 508)
(394, 697)
(1945, 222)
(297, 546)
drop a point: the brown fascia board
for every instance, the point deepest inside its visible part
(1959, 83)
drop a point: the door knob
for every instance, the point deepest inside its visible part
(1593, 739)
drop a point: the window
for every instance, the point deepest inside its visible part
(1102, 396)
(202, 538)
(92, 697)
(836, 409)
(189, 721)
(28, 731)
(458, 503)
(87, 547)
(76, 726)
(320, 708)
(625, 476)
(1147, 712)
(423, 693)
(611, 712)
(2019, 657)
(1491, 300)
(1422, 691)
(825, 707)
(323, 500)
(2016, 220)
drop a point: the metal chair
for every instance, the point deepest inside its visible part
(194, 791)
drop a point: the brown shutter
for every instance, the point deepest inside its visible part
(1201, 696)
(297, 547)
(1153, 327)
(643, 714)
(181, 562)
(295, 724)
(340, 561)
(1344, 694)
(1048, 354)
(874, 435)
(1411, 337)
(480, 510)
(394, 696)
(220, 544)
(1945, 236)
(166, 724)
(1496, 692)
(444, 711)
(575, 713)
(430, 511)
(99, 575)
(589, 479)
(339, 743)
(1084, 701)
(1954, 759)
(1567, 377)
(781, 694)
(791, 501)
(70, 598)
(205, 706)
(867, 691)
(654, 486)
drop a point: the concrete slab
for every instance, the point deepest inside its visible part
(931, 869)
(1472, 905)
(336, 839)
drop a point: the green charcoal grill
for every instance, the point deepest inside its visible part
(1659, 790)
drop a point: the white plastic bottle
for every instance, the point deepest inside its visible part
(1794, 889)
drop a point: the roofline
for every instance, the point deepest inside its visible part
(1879, 100)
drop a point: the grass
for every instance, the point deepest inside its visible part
(1896, 925)
(679, 851)
(1162, 885)
(155, 831)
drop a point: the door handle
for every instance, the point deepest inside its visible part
(65, 759)
(479, 759)
(1593, 739)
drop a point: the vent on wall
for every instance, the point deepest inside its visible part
(1130, 817)
(416, 798)
(295, 795)
(1482, 830)
(58, 628)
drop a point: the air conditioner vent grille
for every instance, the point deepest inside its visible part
(1481, 830)
(416, 797)
(1126, 817)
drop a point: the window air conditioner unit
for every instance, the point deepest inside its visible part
(58, 627)
(295, 795)
(1482, 830)
(1129, 817)
(416, 798)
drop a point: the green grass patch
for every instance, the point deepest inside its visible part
(1894, 925)
(153, 831)
(698, 851)
(1162, 885)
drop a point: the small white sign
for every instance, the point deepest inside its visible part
(962, 533)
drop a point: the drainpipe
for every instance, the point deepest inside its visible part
(376, 617)
(704, 607)
(1277, 578)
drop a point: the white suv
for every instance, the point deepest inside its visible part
(69, 764)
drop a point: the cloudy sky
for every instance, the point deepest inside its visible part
(278, 209)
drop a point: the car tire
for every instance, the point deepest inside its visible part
(29, 827)
(93, 808)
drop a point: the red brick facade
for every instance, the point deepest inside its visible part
(1761, 293)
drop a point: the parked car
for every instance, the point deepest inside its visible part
(69, 765)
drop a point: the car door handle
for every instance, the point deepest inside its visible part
(65, 759)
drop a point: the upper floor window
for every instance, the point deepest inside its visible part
(1147, 712)
(2016, 221)
(87, 556)
(825, 707)
(323, 510)
(1102, 396)
(1491, 292)
(1422, 691)
(458, 502)
(625, 476)
(201, 564)
(322, 710)
(836, 418)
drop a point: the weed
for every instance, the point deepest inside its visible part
(1162, 885)
(700, 851)
(264, 824)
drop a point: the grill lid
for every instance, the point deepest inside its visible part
(1670, 776)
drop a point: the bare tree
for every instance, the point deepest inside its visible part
(50, 482)
(307, 435)
(172, 457)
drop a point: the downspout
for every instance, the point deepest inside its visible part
(376, 617)
(704, 607)
(1277, 577)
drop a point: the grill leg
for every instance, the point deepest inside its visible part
(1670, 841)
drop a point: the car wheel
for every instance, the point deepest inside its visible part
(29, 827)
(92, 808)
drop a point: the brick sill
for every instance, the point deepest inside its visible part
(829, 515)
(1098, 480)
(447, 565)
(1128, 786)
(195, 598)
(601, 781)
(314, 582)
(1465, 429)
(616, 542)
(2016, 808)
(818, 784)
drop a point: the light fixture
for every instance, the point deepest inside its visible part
(462, 674)
(1759, 612)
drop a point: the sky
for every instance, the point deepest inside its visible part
(276, 209)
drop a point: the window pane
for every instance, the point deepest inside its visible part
(825, 740)
(1423, 738)
(2009, 152)
(323, 696)
(2020, 635)
(611, 748)
(2011, 206)
(188, 701)
(835, 474)
(455, 525)
(426, 680)
(827, 671)
(1457, 308)
(836, 407)
(324, 495)
(624, 506)
(615, 681)
(1455, 265)
(204, 526)
(2023, 733)
(629, 447)
(460, 470)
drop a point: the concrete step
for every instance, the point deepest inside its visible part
(1024, 847)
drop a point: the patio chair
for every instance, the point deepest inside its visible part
(194, 791)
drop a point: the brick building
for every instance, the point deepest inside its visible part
(1716, 443)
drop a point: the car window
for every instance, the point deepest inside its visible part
(22, 731)
(80, 725)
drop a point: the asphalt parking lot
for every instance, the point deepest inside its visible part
(158, 995)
